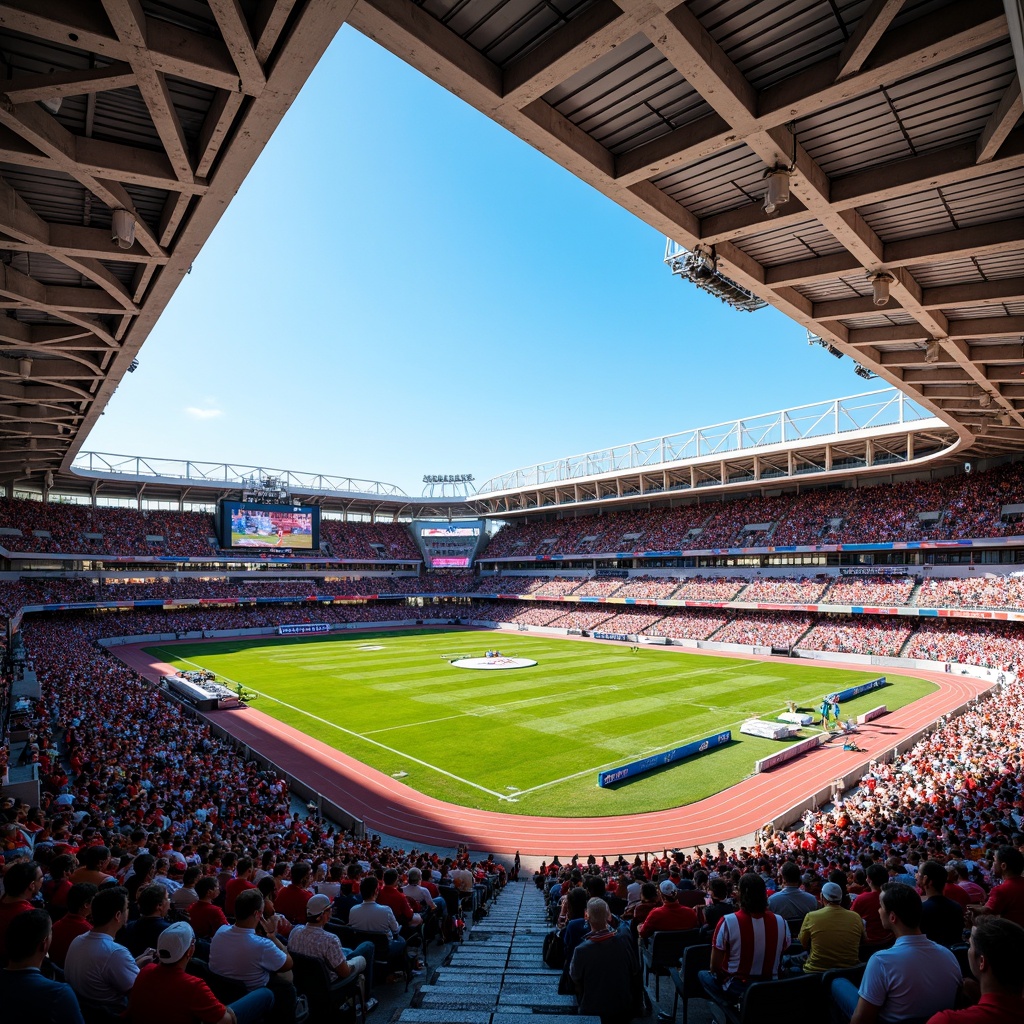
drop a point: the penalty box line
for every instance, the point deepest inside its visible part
(349, 732)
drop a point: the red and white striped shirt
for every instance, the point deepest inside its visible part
(753, 944)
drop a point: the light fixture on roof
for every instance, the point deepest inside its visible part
(933, 352)
(864, 372)
(880, 287)
(53, 103)
(985, 400)
(25, 367)
(122, 229)
(777, 192)
(1007, 419)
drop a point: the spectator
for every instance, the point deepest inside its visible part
(244, 871)
(671, 916)
(1007, 898)
(22, 882)
(74, 923)
(165, 993)
(790, 901)
(914, 978)
(942, 919)
(371, 916)
(831, 936)
(292, 900)
(142, 933)
(100, 970)
(604, 969)
(867, 905)
(746, 946)
(996, 958)
(25, 994)
(257, 961)
(312, 940)
(204, 915)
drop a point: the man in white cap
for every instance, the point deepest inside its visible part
(313, 940)
(165, 993)
(671, 916)
(831, 936)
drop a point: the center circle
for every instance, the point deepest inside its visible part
(496, 663)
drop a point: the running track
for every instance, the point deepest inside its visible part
(386, 805)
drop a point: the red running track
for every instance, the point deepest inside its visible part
(386, 805)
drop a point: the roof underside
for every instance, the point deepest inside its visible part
(900, 120)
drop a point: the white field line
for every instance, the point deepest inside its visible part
(349, 732)
(414, 725)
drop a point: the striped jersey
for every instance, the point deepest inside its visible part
(753, 944)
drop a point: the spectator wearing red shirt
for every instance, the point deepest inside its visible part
(867, 904)
(74, 922)
(292, 899)
(391, 896)
(21, 883)
(165, 993)
(1007, 898)
(204, 915)
(242, 881)
(995, 955)
(746, 946)
(671, 916)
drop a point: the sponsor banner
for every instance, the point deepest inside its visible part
(303, 627)
(634, 768)
(610, 636)
(617, 573)
(856, 691)
(663, 640)
(811, 743)
(874, 570)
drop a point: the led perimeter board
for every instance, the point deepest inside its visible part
(247, 524)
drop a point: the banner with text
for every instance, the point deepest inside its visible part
(304, 627)
(634, 768)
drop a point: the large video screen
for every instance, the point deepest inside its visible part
(251, 525)
(449, 563)
(450, 531)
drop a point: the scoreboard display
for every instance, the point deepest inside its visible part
(246, 524)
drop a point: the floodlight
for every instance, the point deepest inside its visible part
(934, 352)
(985, 400)
(25, 367)
(122, 229)
(880, 288)
(777, 192)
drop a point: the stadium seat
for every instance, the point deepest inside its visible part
(663, 950)
(330, 999)
(685, 980)
(780, 1002)
(383, 962)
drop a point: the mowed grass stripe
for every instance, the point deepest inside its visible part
(470, 737)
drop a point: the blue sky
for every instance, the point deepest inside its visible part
(402, 287)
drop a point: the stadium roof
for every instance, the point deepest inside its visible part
(897, 120)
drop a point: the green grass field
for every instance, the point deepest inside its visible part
(531, 740)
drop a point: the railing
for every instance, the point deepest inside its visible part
(101, 464)
(819, 421)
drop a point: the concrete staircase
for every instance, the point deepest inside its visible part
(497, 975)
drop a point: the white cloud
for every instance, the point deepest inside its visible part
(203, 414)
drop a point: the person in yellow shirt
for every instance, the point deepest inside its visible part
(831, 935)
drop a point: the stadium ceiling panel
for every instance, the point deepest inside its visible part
(127, 125)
